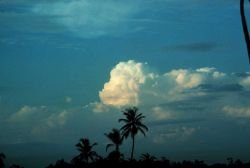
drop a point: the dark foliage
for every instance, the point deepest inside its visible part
(2, 157)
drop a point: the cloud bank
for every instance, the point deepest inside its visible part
(132, 83)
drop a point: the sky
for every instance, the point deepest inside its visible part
(69, 68)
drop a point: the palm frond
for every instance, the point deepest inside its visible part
(94, 144)
(108, 146)
(143, 126)
(126, 126)
(142, 131)
(123, 120)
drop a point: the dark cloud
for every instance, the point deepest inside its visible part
(242, 74)
(191, 47)
(174, 121)
(183, 105)
(222, 88)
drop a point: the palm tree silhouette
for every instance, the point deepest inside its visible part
(116, 139)
(244, 26)
(146, 157)
(86, 150)
(133, 125)
(2, 157)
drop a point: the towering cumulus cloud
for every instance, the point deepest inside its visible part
(132, 83)
(124, 84)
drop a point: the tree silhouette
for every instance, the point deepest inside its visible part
(86, 151)
(16, 166)
(116, 139)
(133, 125)
(2, 157)
(244, 26)
(146, 157)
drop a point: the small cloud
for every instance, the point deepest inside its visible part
(237, 112)
(25, 113)
(98, 107)
(246, 82)
(185, 79)
(57, 119)
(68, 99)
(178, 133)
(160, 114)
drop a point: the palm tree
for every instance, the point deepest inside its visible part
(133, 125)
(116, 139)
(86, 150)
(244, 26)
(2, 157)
(146, 157)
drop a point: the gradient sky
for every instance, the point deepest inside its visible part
(68, 68)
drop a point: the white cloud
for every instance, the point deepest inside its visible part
(58, 119)
(132, 83)
(39, 117)
(25, 113)
(98, 107)
(237, 111)
(124, 84)
(90, 18)
(245, 82)
(184, 78)
(160, 114)
(174, 133)
(68, 99)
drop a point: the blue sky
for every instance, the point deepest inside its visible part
(68, 68)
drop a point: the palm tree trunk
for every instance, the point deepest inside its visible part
(133, 146)
(87, 159)
(117, 148)
(244, 25)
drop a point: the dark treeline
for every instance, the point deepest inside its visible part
(133, 125)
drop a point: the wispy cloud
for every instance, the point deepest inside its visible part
(37, 121)
(174, 121)
(180, 133)
(88, 18)
(237, 111)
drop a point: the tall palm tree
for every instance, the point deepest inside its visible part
(116, 139)
(2, 157)
(244, 26)
(86, 150)
(133, 125)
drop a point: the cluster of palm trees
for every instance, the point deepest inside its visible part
(132, 126)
